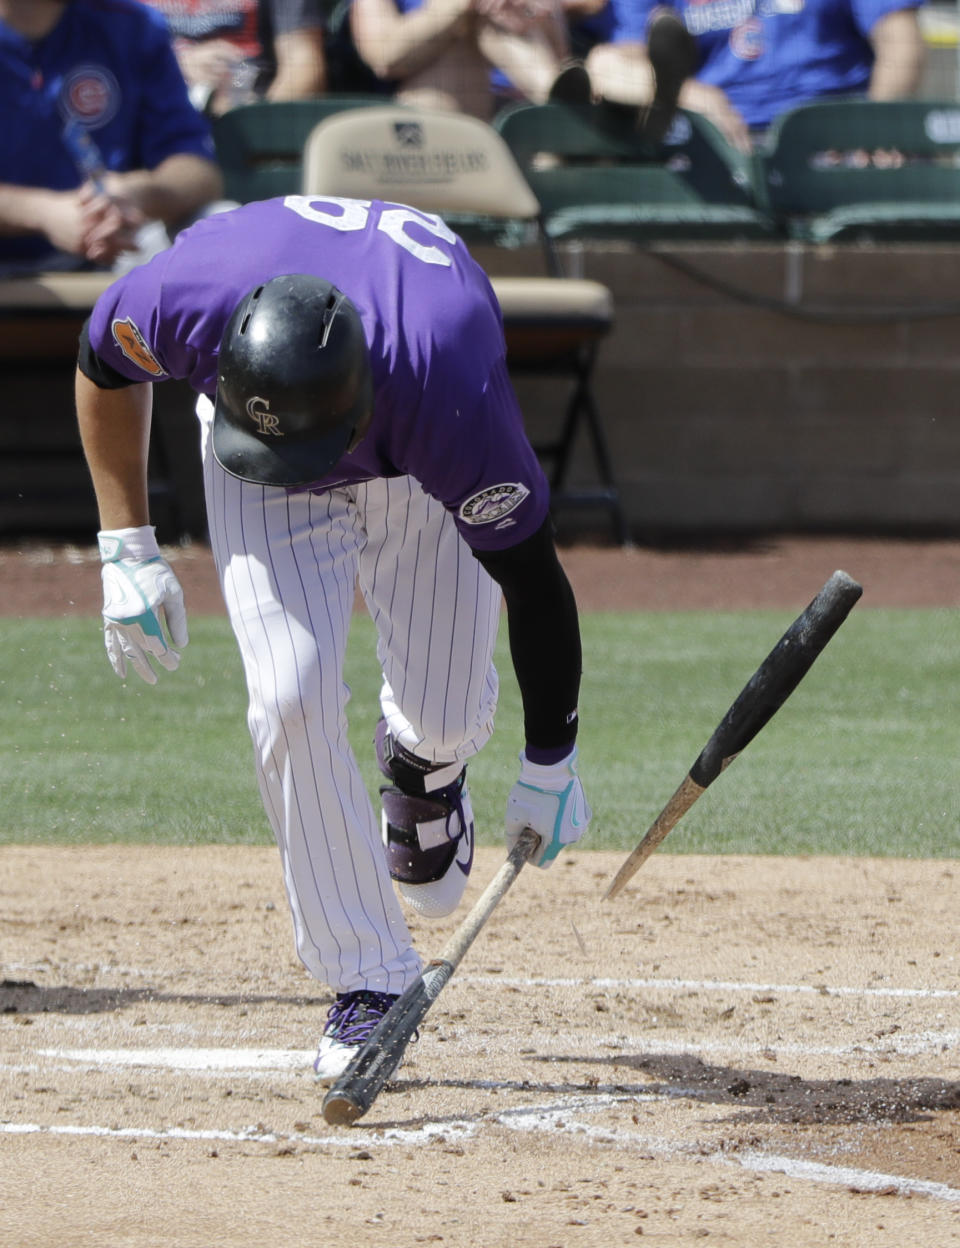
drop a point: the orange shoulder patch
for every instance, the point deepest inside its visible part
(133, 345)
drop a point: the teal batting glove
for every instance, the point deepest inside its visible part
(142, 603)
(550, 800)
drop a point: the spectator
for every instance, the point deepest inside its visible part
(441, 53)
(105, 141)
(231, 51)
(758, 58)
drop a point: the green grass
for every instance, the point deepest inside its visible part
(862, 759)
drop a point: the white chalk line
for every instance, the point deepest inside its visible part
(707, 985)
(238, 1061)
(580, 981)
(530, 1119)
(225, 1061)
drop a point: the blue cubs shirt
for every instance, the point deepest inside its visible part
(445, 412)
(108, 66)
(772, 55)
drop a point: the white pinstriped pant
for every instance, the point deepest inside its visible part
(288, 566)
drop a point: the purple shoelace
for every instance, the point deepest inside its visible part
(353, 1015)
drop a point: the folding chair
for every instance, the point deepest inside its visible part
(869, 171)
(458, 167)
(259, 146)
(596, 177)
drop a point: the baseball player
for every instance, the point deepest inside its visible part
(357, 424)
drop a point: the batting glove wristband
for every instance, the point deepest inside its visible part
(142, 603)
(550, 800)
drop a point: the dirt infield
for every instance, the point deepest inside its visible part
(781, 572)
(737, 1051)
(733, 1050)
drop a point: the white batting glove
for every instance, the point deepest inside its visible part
(141, 595)
(551, 801)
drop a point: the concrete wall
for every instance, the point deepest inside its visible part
(839, 412)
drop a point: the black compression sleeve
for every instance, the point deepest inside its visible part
(99, 371)
(544, 636)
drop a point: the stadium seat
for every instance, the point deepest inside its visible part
(596, 179)
(459, 168)
(260, 145)
(868, 171)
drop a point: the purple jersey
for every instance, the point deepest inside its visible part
(445, 412)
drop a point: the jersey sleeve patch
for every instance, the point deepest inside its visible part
(493, 503)
(134, 346)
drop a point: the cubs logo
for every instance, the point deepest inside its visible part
(493, 503)
(134, 346)
(746, 40)
(90, 95)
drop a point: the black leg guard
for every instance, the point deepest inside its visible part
(427, 826)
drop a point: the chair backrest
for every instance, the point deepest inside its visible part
(443, 162)
(583, 161)
(837, 153)
(259, 146)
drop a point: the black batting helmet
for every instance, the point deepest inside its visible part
(293, 382)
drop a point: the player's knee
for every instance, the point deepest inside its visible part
(411, 773)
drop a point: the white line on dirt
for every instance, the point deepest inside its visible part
(707, 985)
(543, 1119)
(587, 981)
(224, 1061)
(861, 1180)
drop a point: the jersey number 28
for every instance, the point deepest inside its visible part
(354, 215)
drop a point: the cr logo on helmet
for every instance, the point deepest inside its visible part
(259, 412)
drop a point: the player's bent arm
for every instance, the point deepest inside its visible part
(545, 647)
(115, 433)
(143, 609)
(544, 631)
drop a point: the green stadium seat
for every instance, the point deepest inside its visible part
(259, 146)
(866, 171)
(596, 179)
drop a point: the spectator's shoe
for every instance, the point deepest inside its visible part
(350, 1020)
(672, 52)
(571, 86)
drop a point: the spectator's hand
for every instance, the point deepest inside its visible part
(109, 225)
(61, 218)
(207, 62)
(519, 17)
(551, 801)
(703, 97)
